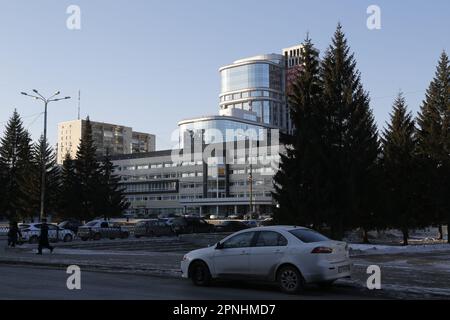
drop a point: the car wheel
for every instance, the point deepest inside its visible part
(125, 235)
(137, 236)
(290, 280)
(84, 239)
(97, 236)
(34, 240)
(67, 238)
(199, 274)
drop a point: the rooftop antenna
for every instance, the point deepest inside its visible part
(79, 103)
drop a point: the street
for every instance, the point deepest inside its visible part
(133, 269)
(40, 283)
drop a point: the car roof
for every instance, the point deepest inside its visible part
(276, 228)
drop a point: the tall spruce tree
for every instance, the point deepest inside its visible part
(298, 182)
(434, 143)
(15, 158)
(351, 141)
(32, 185)
(88, 173)
(400, 170)
(111, 200)
(69, 204)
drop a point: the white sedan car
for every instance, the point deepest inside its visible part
(31, 232)
(291, 256)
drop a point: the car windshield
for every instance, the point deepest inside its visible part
(91, 224)
(308, 236)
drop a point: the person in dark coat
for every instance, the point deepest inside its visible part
(43, 238)
(13, 234)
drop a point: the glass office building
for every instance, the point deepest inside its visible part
(258, 85)
(217, 129)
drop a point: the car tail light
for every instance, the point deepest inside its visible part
(322, 250)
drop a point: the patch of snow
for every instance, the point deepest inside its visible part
(385, 249)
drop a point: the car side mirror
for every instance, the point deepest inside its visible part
(219, 246)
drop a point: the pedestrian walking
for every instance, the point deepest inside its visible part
(13, 234)
(43, 238)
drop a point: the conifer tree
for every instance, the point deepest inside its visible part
(351, 141)
(15, 158)
(298, 181)
(41, 153)
(400, 170)
(88, 173)
(111, 199)
(434, 143)
(69, 204)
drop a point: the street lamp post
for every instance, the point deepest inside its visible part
(46, 101)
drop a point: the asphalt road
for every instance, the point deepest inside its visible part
(33, 283)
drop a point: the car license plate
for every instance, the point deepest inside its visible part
(343, 269)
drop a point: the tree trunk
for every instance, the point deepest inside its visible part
(365, 236)
(448, 232)
(337, 231)
(405, 236)
(441, 232)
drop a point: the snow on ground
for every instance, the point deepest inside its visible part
(359, 249)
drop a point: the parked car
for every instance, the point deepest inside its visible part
(191, 225)
(152, 228)
(32, 231)
(251, 223)
(168, 221)
(168, 215)
(102, 229)
(236, 216)
(72, 225)
(290, 256)
(230, 226)
(267, 222)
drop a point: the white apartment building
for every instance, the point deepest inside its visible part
(117, 139)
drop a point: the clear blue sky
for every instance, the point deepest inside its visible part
(148, 64)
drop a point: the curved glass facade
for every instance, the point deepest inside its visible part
(257, 75)
(218, 130)
(259, 85)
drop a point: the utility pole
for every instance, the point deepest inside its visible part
(46, 101)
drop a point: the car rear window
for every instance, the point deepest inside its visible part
(308, 236)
